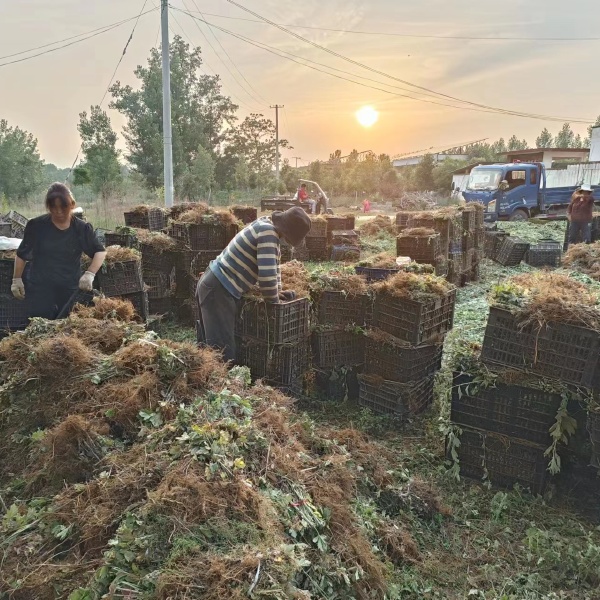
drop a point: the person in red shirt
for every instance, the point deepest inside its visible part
(304, 198)
(579, 215)
(366, 205)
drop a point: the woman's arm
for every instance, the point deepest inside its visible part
(97, 262)
(19, 267)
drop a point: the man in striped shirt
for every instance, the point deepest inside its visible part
(251, 257)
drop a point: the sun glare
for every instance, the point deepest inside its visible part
(367, 116)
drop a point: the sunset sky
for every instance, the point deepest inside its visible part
(45, 95)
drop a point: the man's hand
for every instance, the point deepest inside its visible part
(287, 296)
(18, 289)
(86, 283)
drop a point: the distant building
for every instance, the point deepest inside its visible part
(547, 156)
(411, 161)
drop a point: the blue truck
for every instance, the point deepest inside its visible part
(516, 191)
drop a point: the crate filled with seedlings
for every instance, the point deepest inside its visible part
(421, 244)
(339, 222)
(341, 299)
(273, 339)
(200, 228)
(378, 267)
(445, 221)
(414, 308)
(402, 219)
(545, 323)
(545, 253)
(245, 214)
(152, 218)
(121, 272)
(316, 242)
(126, 237)
(335, 347)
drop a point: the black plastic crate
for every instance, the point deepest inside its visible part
(317, 248)
(201, 260)
(402, 218)
(543, 257)
(469, 220)
(345, 253)
(518, 411)
(411, 321)
(442, 226)
(153, 260)
(337, 385)
(420, 249)
(125, 240)
(555, 350)
(594, 431)
(401, 363)
(340, 308)
(512, 251)
(318, 229)
(335, 222)
(159, 285)
(300, 252)
(13, 313)
(14, 217)
(203, 236)
(281, 365)
(7, 267)
(503, 460)
(374, 274)
(274, 323)
(121, 278)
(5, 229)
(400, 400)
(493, 241)
(344, 237)
(153, 219)
(338, 348)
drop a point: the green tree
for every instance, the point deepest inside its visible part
(586, 141)
(545, 139)
(565, 137)
(424, 174)
(254, 141)
(21, 169)
(197, 179)
(516, 144)
(100, 166)
(442, 174)
(200, 113)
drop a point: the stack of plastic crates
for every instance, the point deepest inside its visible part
(316, 240)
(152, 218)
(272, 340)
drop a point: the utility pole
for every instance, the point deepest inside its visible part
(297, 159)
(166, 81)
(277, 107)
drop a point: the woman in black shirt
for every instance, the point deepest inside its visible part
(53, 244)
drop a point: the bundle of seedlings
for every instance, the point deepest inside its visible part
(159, 242)
(166, 477)
(379, 224)
(178, 209)
(584, 258)
(420, 232)
(143, 209)
(294, 277)
(338, 280)
(543, 297)
(383, 260)
(200, 216)
(447, 213)
(118, 254)
(8, 254)
(410, 286)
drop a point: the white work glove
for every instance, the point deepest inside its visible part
(18, 289)
(86, 283)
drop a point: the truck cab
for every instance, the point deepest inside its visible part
(511, 191)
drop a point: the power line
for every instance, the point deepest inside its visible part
(111, 79)
(83, 39)
(415, 35)
(310, 65)
(219, 57)
(382, 73)
(259, 97)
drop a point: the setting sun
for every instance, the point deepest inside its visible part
(367, 116)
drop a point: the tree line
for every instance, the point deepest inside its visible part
(213, 150)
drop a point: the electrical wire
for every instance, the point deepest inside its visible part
(414, 35)
(83, 39)
(259, 98)
(219, 56)
(310, 65)
(111, 79)
(405, 82)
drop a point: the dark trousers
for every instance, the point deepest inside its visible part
(218, 312)
(46, 300)
(577, 229)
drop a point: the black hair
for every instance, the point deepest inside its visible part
(61, 193)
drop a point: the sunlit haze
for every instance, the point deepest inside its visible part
(45, 95)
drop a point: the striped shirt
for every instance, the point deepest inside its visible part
(251, 257)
